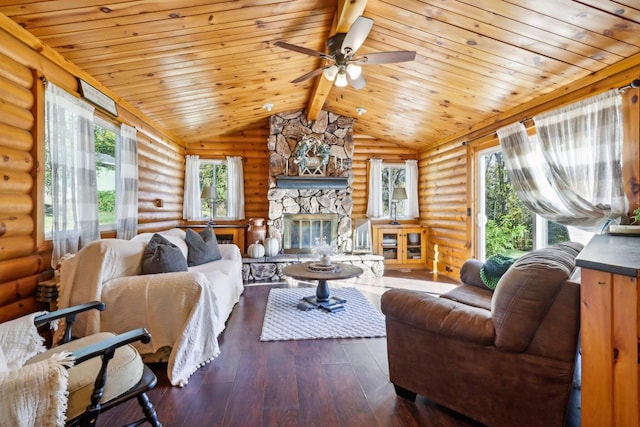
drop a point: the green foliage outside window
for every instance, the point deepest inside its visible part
(207, 171)
(510, 225)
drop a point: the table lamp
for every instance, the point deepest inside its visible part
(209, 193)
(399, 193)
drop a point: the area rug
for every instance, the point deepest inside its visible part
(283, 321)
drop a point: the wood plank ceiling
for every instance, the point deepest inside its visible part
(203, 68)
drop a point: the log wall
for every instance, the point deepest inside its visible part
(24, 253)
(251, 145)
(20, 262)
(365, 149)
(447, 174)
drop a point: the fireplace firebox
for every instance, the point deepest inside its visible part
(302, 232)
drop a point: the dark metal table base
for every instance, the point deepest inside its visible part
(333, 304)
(322, 300)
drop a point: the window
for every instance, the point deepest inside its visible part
(106, 136)
(214, 173)
(393, 176)
(505, 225)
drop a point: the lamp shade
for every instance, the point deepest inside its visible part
(209, 192)
(399, 193)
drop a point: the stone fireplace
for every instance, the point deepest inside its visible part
(310, 187)
(293, 191)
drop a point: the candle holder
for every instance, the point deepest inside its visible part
(361, 236)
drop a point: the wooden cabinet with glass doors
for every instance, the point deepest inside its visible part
(401, 246)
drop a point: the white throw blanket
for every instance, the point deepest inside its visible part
(34, 394)
(181, 310)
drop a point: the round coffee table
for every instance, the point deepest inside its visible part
(322, 298)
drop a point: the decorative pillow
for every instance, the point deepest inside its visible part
(203, 247)
(162, 256)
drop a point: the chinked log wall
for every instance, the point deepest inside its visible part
(23, 252)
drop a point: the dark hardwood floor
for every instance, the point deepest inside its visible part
(329, 382)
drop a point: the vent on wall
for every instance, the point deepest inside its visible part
(319, 182)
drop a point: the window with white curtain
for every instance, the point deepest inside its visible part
(384, 177)
(106, 136)
(214, 173)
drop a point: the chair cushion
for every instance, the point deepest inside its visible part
(124, 372)
(203, 247)
(162, 256)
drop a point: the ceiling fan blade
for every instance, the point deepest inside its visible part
(309, 75)
(386, 57)
(357, 34)
(301, 49)
(358, 83)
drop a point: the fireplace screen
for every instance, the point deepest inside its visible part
(302, 232)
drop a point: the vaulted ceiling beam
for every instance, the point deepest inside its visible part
(346, 14)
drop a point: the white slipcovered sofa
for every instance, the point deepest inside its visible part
(184, 311)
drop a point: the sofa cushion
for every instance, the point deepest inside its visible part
(162, 256)
(527, 290)
(474, 296)
(203, 247)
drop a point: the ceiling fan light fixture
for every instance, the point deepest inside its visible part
(341, 79)
(354, 71)
(330, 73)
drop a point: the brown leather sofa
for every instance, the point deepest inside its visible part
(504, 358)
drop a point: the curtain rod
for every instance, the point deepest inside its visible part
(632, 85)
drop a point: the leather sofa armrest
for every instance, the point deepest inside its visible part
(438, 315)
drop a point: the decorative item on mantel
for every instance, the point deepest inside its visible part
(311, 155)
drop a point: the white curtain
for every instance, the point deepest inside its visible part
(572, 172)
(374, 204)
(191, 205)
(127, 183)
(72, 156)
(411, 209)
(235, 188)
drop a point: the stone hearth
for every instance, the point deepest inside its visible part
(270, 268)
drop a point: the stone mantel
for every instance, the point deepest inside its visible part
(306, 182)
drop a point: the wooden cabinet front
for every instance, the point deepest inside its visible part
(401, 246)
(609, 329)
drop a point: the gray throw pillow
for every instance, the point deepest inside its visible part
(203, 247)
(162, 256)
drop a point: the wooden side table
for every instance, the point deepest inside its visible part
(47, 291)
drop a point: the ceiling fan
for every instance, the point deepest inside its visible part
(343, 65)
